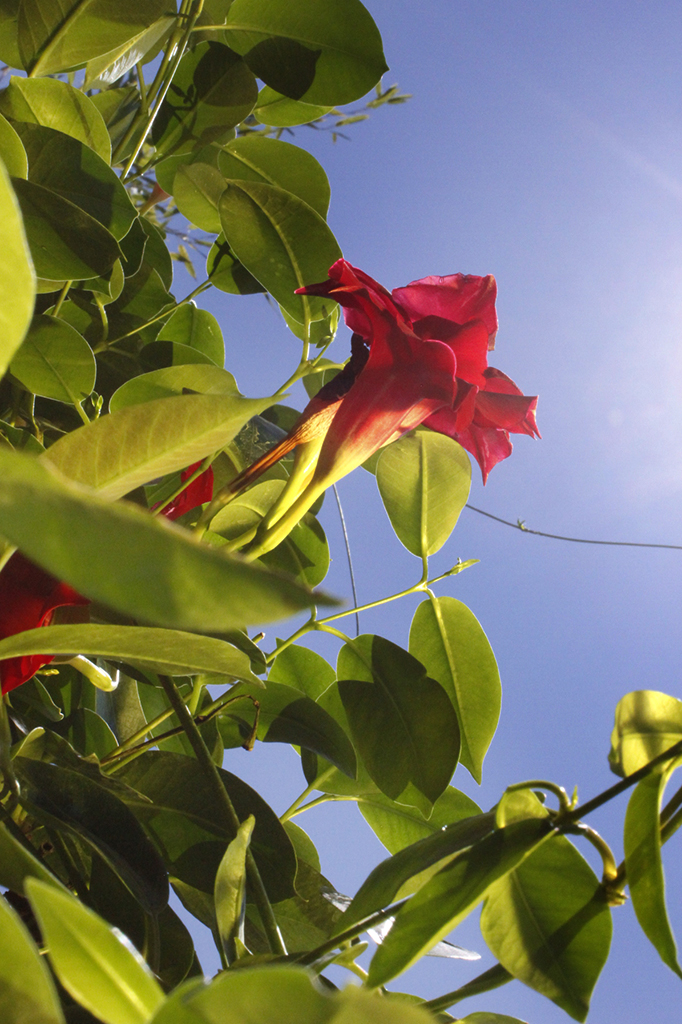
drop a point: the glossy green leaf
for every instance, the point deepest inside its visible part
(483, 1017)
(303, 669)
(55, 361)
(166, 170)
(204, 379)
(57, 105)
(389, 877)
(213, 90)
(12, 150)
(161, 650)
(57, 35)
(17, 863)
(398, 826)
(424, 480)
(257, 158)
(403, 724)
(196, 328)
(282, 241)
(184, 822)
(175, 1009)
(197, 188)
(288, 716)
(647, 723)
(451, 894)
(111, 66)
(9, 34)
(72, 801)
(549, 924)
(230, 889)
(448, 640)
(66, 243)
(72, 170)
(165, 578)
(118, 108)
(17, 277)
(322, 55)
(303, 554)
(159, 355)
(101, 971)
(357, 1005)
(117, 453)
(27, 992)
(287, 995)
(646, 881)
(322, 333)
(274, 109)
(227, 273)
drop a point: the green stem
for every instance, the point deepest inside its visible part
(551, 787)
(490, 979)
(350, 933)
(290, 811)
(229, 814)
(324, 799)
(160, 316)
(62, 295)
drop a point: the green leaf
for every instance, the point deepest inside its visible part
(9, 34)
(213, 90)
(180, 813)
(166, 170)
(403, 724)
(647, 723)
(322, 55)
(57, 35)
(227, 273)
(72, 170)
(287, 995)
(118, 108)
(197, 188)
(117, 453)
(230, 889)
(12, 150)
(196, 328)
(165, 576)
(66, 243)
(482, 1017)
(272, 108)
(303, 554)
(448, 640)
(392, 875)
(256, 158)
(358, 1006)
(55, 361)
(453, 893)
(203, 379)
(57, 105)
(17, 863)
(288, 716)
(549, 924)
(642, 842)
(161, 650)
(322, 333)
(398, 826)
(424, 480)
(17, 277)
(282, 241)
(76, 803)
(100, 971)
(27, 992)
(111, 66)
(303, 669)
(174, 1010)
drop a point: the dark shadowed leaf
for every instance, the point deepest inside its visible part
(449, 641)
(549, 924)
(322, 55)
(403, 724)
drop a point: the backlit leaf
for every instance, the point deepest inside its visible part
(256, 158)
(27, 992)
(227, 273)
(230, 889)
(204, 379)
(647, 723)
(57, 105)
(12, 150)
(196, 328)
(449, 641)
(55, 361)
(278, 110)
(17, 277)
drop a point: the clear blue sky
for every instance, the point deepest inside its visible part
(543, 144)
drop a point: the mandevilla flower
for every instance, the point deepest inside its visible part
(420, 356)
(29, 596)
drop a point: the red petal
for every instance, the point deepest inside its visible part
(196, 493)
(28, 597)
(469, 342)
(509, 412)
(457, 297)
(487, 445)
(361, 296)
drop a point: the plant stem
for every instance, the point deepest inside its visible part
(492, 978)
(350, 933)
(229, 814)
(290, 811)
(62, 295)
(196, 291)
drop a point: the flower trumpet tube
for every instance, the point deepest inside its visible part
(425, 361)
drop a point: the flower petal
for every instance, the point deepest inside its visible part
(457, 297)
(468, 341)
(359, 294)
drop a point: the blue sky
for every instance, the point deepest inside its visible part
(543, 144)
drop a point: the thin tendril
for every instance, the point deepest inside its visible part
(520, 525)
(348, 555)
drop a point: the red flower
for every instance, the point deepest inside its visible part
(29, 596)
(420, 355)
